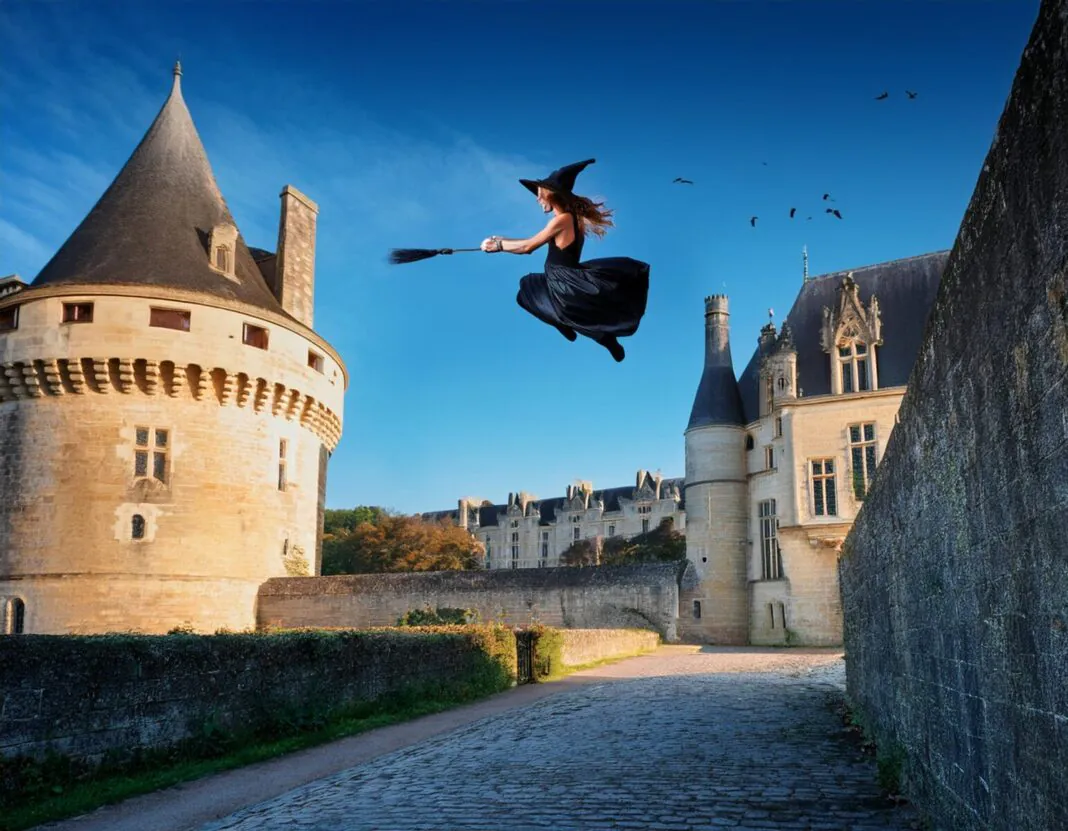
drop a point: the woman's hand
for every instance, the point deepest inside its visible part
(491, 245)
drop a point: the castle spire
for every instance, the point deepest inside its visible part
(177, 71)
(718, 400)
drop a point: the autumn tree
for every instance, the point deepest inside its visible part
(393, 543)
(662, 544)
(581, 553)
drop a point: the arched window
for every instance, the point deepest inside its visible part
(15, 617)
(853, 366)
(137, 527)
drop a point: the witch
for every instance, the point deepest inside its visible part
(601, 299)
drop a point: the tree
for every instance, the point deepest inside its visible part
(336, 521)
(401, 543)
(581, 553)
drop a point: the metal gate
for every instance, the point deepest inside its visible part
(524, 652)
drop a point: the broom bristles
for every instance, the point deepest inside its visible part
(399, 256)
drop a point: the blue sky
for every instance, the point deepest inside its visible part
(410, 122)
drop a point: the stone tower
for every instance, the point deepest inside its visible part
(716, 611)
(166, 411)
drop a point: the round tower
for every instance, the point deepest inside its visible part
(166, 409)
(716, 611)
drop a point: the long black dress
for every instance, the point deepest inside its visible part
(602, 299)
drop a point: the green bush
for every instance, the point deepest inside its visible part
(548, 651)
(442, 616)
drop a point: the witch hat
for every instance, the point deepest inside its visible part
(561, 180)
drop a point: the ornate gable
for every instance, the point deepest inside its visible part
(849, 320)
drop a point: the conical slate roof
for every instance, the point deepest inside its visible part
(718, 401)
(151, 226)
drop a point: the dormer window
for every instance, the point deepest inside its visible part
(853, 364)
(222, 244)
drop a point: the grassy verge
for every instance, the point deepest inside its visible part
(562, 672)
(86, 796)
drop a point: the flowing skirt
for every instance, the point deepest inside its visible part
(598, 298)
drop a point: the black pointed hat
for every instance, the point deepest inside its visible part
(561, 180)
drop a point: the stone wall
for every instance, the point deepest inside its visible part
(84, 697)
(624, 597)
(955, 576)
(584, 646)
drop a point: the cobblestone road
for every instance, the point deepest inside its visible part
(674, 742)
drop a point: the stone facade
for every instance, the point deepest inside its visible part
(622, 597)
(162, 444)
(779, 462)
(527, 532)
(955, 576)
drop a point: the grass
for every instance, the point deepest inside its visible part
(87, 796)
(562, 673)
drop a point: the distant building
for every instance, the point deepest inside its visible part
(778, 462)
(166, 409)
(527, 532)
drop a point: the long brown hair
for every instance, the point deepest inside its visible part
(595, 218)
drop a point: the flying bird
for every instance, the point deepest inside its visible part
(827, 196)
(792, 212)
(681, 181)
(752, 221)
(835, 212)
(910, 93)
(882, 97)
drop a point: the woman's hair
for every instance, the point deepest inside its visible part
(594, 216)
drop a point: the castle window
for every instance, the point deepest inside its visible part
(9, 318)
(169, 319)
(544, 549)
(282, 448)
(771, 614)
(769, 395)
(771, 557)
(611, 530)
(157, 452)
(749, 443)
(697, 609)
(254, 336)
(222, 243)
(515, 523)
(315, 361)
(515, 549)
(645, 525)
(862, 456)
(222, 258)
(576, 533)
(853, 366)
(77, 312)
(137, 527)
(489, 553)
(824, 497)
(15, 616)
(778, 427)
(769, 458)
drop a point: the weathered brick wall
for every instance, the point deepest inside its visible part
(955, 577)
(85, 696)
(644, 596)
(583, 646)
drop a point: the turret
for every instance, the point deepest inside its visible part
(716, 493)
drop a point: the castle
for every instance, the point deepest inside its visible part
(778, 461)
(527, 532)
(166, 409)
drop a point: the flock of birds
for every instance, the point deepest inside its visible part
(679, 180)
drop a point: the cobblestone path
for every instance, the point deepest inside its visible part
(678, 741)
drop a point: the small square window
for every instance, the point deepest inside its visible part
(255, 336)
(315, 361)
(137, 527)
(142, 437)
(9, 318)
(161, 438)
(169, 319)
(77, 312)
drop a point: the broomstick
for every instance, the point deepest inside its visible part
(398, 256)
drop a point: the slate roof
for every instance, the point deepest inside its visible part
(487, 514)
(717, 400)
(151, 226)
(906, 290)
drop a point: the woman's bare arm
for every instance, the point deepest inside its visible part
(525, 246)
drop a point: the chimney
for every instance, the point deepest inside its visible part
(295, 263)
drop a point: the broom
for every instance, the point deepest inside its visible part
(398, 256)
